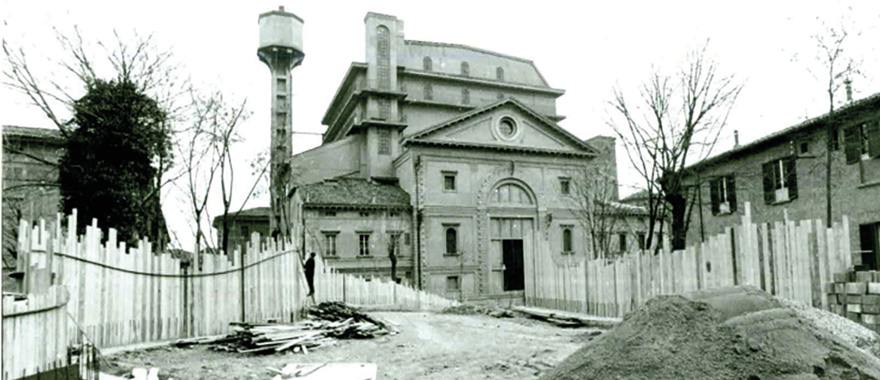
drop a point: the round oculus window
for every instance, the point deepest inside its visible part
(507, 128)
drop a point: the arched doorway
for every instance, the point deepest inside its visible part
(512, 211)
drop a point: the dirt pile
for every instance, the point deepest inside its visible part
(732, 333)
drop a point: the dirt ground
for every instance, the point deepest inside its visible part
(429, 346)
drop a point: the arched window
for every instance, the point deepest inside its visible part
(383, 57)
(465, 96)
(429, 92)
(451, 241)
(566, 240)
(465, 69)
(512, 193)
(427, 64)
(499, 74)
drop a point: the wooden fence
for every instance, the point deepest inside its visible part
(120, 295)
(790, 259)
(35, 333)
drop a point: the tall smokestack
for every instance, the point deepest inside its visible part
(281, 50)
(735, 138)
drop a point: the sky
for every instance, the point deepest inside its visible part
(585, 48)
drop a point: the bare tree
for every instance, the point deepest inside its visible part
(138, 60)
(835, 69)
(593, 201)
(677, 120)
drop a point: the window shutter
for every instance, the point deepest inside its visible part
(713, 195)
(769, 180)
(874, 139)
(731, 192)
(851, 145)
(791, 177)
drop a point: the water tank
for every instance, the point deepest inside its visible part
(281, 29)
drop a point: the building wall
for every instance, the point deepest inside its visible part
(241, 231)
(854, 192)
(21, 198)
(447, 60)
(347, 226)
(328, 161)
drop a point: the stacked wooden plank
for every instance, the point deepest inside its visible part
(336, 320)
(856, 296)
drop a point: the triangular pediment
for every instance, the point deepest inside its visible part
(504, 124)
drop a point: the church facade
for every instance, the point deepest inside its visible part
(448, 158)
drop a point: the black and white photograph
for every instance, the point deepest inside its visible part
(395, 190)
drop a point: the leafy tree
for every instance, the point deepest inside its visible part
(112, 157)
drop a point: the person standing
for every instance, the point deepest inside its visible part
(310, 274)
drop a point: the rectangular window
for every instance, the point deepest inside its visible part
(861, 142)
(384, 141)
(453, 284)
(449, 181)
(805, 147)
(642, 239)
(621, 240)
(780, 180)
(465, 96)
(406, 238)
(565, 186)
(450, 231)
(330, 243)
(363, 244)
(429, 92)
(722, 192)
(384, 109)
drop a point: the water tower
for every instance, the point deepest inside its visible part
(281, 50)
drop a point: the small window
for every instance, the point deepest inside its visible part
(507, 128)
(245, 232)
(453, 284)
(465, 96)
(780, 180)
(330, 244)
(329, 213)
(364, 244)
(364, 214)
(864, 137)
(406, 238)
(465, 69)
(621, 241)
(722, 193)
(449, 181)
(641, 239)
(428, 64)
(566, 239)
(429, 92)
(565, 186)
(805, 147)
(499, 74)
(451, 241)
(384, 141)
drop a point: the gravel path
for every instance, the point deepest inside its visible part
(844, 328)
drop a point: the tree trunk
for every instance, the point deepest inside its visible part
(678, 204)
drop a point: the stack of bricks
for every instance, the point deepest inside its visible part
(856, 296)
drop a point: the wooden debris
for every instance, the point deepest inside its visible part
(334, 320)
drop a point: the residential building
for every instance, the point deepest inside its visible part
(242, 225)
(782, 175)
(457, 151)
(30, 180)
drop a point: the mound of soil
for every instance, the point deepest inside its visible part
(734, 333)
